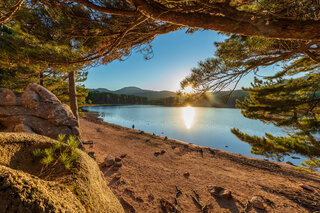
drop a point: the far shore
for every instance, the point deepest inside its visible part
(159, 173)
(94, 105)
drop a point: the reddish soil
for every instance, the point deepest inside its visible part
(150, 183)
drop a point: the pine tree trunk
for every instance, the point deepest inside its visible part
(74, 103)
(41, 78)
(72, 94)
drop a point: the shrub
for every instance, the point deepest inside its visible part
(64, 154)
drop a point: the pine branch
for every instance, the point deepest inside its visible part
(12, 11)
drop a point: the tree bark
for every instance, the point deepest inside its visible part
(107, 10)
(74, 103)
(12, 11)
(73, 94)
(250, 25)
(232, 20)
(41, 78)
(312, 56)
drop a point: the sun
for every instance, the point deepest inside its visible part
(188, 89)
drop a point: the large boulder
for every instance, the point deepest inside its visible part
(7, 97)
(44, 94)
(23, 189)
(37, 110)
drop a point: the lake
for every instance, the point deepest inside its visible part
(202, 126)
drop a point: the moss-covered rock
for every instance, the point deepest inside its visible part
(24, 188)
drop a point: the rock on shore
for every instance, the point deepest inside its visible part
(23, 190)
(37, 110)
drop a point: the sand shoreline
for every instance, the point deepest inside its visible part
(94, 117)
(150, 178)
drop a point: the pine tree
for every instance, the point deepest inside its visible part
(30, 57)
(239, 56)
(285, 19)
(289, 99)
(292, 104)
(65, 38)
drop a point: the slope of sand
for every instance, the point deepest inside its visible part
(150, 183)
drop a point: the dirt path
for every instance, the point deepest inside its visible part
(180, 177)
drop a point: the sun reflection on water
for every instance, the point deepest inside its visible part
(188, 116)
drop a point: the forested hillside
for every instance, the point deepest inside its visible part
(151, 94)
(96, 97)
(219, 99)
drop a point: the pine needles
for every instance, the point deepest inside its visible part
(63, 152)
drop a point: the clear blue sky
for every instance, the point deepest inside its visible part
(174, 56)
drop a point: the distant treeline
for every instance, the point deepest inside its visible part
(96, 97)
(220, 99)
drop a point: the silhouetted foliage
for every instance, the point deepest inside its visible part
(288, 99)
(111, 98)
(285, 19)
(207, 100)
(292, 105)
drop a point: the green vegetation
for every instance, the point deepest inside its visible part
(214, 99)
(61, 153)
(285, 19)
(288, 99)
(59, 38)
(219, 99)
(291, 104)
(29, 54)
(17, 80)
(110, 98)
(96, 97)
(67, 36)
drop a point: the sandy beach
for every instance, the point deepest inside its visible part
(164, 175)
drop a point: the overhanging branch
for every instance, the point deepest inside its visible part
(13, 10)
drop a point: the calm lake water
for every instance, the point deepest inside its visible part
(203, 126)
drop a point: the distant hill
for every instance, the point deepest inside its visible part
(136, 91)
(136, 95)
(100, 90)
(97, 97)
(129, 90)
